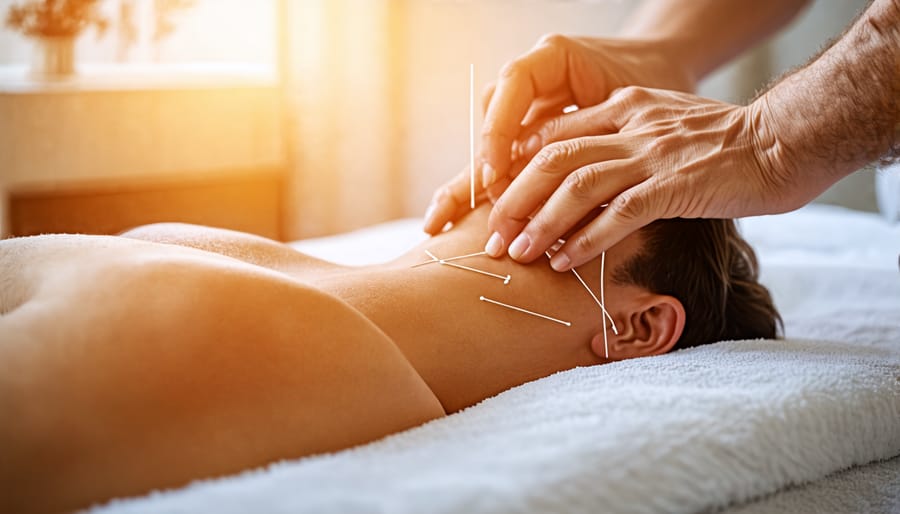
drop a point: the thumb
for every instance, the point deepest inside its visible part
(486, 95)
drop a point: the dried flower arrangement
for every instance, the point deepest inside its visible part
(56, 18)
(164, 10)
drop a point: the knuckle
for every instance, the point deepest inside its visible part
(550, 129)
(645, 116)
(582, 182)
(443, 194)
(660, 146)
(553, 39)
(628, 206)
(541, 226)
(495, 130)
(585, 244)
(512, 68)
(631, 94)
(553, 157)
(501, 211)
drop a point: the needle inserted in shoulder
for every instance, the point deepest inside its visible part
(472, 136)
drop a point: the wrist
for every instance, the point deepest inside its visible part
(840, 110)
(689, 52)
(837, 113)
(655, 63)
(674, 51)
(775, 157)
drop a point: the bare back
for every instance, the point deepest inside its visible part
(128, 365)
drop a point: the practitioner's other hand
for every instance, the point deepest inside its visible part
(452, 200)
(561, 71)
(558, 72)
(650, 154)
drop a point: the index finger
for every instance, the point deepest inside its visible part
(541, 177)
(537, 73)
(628, 212)
(451, 201)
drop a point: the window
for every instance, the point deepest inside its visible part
(166, 33)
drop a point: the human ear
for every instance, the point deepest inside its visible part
(650, 326)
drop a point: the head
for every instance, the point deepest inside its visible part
(684, 283)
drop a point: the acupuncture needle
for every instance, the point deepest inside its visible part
(602, 300)
(598, 301)
(505, 279)
(458, 257)
(526, 311)
(472, 135)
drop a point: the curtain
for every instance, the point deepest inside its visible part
(342, 72)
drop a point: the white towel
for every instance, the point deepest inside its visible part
(679, 433)
(871, 489)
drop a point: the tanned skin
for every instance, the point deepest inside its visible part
(840, 111)
(179, 352)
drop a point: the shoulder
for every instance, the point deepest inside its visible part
(247, 247)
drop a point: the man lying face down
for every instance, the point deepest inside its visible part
(178, 352)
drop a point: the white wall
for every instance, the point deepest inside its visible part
(445, 37)
(341, 110)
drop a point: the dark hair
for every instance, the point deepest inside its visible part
(712, 270)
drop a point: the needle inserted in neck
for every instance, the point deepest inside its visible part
(444, 262)
(458, 257)
(602, 300)
(600, 303)
(526, 311)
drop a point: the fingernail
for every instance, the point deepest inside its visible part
(519, 246)
(533, 145)
(488, 175)
(560, 262)
(494, 246)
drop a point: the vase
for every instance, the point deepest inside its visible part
(54, 57)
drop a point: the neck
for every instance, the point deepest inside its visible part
(464, 348)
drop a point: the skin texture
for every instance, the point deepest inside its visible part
(651, 153)
(178, 352)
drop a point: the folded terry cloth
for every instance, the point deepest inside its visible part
(873, 489)
(682, 432)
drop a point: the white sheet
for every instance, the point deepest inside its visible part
(683, 432)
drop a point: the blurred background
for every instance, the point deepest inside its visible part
(287, 118)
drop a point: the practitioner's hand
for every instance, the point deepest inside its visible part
(559, 71)
(452, 200)
(651, 154)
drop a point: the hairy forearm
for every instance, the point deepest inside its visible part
(709, 33)
(840, 111)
